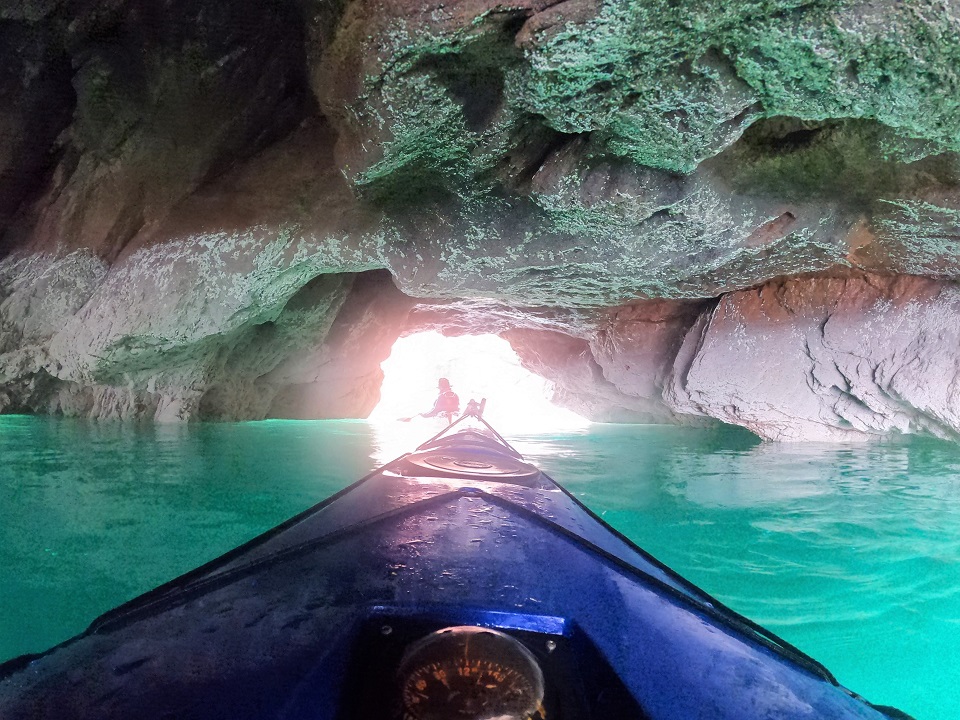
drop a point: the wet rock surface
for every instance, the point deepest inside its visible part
(679, 212)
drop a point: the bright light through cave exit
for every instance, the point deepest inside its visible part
(478, 366)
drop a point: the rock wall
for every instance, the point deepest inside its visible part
(827, 359)
(612, 367)
(678, 211)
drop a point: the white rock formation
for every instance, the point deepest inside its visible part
(827, 359)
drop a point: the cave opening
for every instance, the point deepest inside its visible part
(478, 366)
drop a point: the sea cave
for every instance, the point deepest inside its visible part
(720, 217)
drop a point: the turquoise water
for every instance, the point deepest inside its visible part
(850, 552)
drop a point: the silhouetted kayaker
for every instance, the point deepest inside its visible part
(447, 404)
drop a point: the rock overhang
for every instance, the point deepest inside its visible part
(224, 215)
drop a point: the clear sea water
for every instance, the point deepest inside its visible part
(851, 552)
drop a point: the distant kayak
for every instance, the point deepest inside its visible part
(455, 582)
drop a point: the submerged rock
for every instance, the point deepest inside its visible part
(679, 212)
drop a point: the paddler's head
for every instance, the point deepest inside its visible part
(443, 384)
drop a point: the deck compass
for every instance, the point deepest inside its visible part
(470, 673)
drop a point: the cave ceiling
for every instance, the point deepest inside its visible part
(744, 211)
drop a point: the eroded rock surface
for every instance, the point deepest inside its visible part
(679, 212)
(827, 359)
